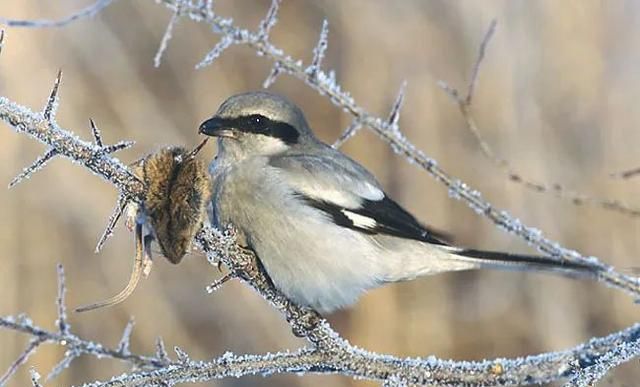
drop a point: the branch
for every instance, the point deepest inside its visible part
(626, 174)
(75, 345)
(87, 12)
(464, 104)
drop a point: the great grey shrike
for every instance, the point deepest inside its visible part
(319, 222)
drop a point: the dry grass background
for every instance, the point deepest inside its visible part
(557, 96)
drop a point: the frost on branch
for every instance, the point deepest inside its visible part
(217, 50)
(168, 34)
(269, 21)
(349, 132)
(115, 216)
(318, 52)
(125, 340)
(37, 165)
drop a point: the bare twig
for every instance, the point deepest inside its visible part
(75, 346)
(125, 341)
(22, 358)
(626, 174)
(168, 34)
(37, 165)
(269, 21)
(349, 132)
(121, 205)
(464, 104)
(318, 52)
(87, 12)
(476, 66)
(61, 321)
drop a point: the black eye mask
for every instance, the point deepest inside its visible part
(254, 123)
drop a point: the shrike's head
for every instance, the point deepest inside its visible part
(258, 123)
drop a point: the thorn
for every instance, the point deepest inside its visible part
(394, 115)
(63, 364)
(476, 67)
(37, 165)
(219, 48)
(1, 40)
(197, 149)
(319, 50)
(451, 92)
(120, 145)
(183, 357)
(125, 341)
(96, 133)
(625, 174)
(217, 284)
(121, 204)
(161, 352)
(351, 130)
(168, 33)
(61, 322)
(269, 21)
(271, 78)
(52, 102)
(22, 359)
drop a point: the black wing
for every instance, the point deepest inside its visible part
(379, 217)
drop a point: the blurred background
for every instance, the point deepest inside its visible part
(557, 97)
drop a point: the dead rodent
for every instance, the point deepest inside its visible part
(174, 207)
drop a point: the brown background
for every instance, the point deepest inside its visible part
(557, 96)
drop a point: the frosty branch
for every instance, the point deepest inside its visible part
(327, 353)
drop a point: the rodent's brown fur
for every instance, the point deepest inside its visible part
(176, 199)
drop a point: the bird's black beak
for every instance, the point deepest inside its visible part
(217, 127)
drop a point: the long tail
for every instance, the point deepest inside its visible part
(142, 257)
(520, 262)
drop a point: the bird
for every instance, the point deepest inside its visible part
(320, 224)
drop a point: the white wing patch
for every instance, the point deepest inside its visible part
(360, 220)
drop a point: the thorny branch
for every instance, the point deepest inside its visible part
(328, 352)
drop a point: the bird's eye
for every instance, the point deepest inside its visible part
(257, 122)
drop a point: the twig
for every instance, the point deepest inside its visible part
(87, 12)
(22, 358)
(125, 341)
(626, 174)
(464, 104)
(61, 321)
(75, 345)
(119, 208)
(168, 34)
(589, 376)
